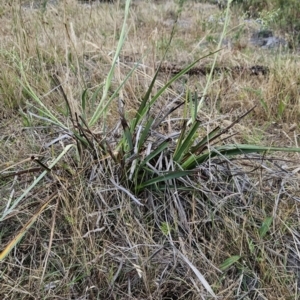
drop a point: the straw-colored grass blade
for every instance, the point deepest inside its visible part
(24, 229)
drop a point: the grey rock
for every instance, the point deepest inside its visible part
(265, 39)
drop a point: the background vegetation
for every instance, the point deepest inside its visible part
(283, 13)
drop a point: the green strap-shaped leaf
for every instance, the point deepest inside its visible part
(165, 177)
(229, 262)
(83, 102)
(265, 226)
(186, 144)
(127, 134)
(145, 132)
(181, 138)
(146, 103)
(155, 152)
(102, 105)
(206, 140)
(231, 150)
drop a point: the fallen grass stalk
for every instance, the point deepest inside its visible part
(126, 191)
(7, 211)
(25, 228)
(198, 274)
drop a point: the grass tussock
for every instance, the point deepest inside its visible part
(142, 168)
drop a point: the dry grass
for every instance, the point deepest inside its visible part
(93, 241)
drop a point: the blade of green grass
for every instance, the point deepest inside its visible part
(165, 177)
(231, 150)
(127, 134)
(187, 142)
(102, 107)
(44, 109)
(181, 137)
(83, 102)
(144, 108)
(146, 105)
(95, 95)
(145, 132)
(229, 262)
(34, 97)
(155, 152)
(117, 90)
(265, 226)
(206, 140)
(209, 79)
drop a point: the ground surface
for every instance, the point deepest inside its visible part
(92, 242)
